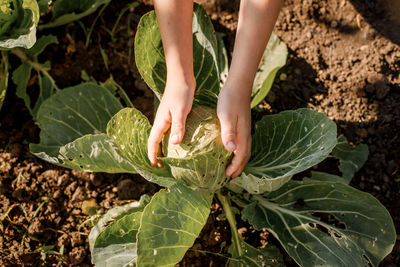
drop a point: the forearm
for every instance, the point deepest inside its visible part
(256, 22)
(174, 18)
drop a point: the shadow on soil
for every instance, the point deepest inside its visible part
(382, 15)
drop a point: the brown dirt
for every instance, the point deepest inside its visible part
(344, 61)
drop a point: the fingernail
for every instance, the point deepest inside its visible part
(174, 138)
(231, 146)
(229, 171)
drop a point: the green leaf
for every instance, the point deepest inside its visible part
(73, 125)
(253, 257)
(223, 64)
(129, 129)
(75, 112)
(113, 240)
(351, 158)
(20, 77)
(41, 44)
(170, 224)
(285, 144)
(94, 153)
(3, 77)
(323, 176)
(273, 59)
(43, 6)
(18, 21)
(22, 74)
(150, 59)
(66, 11)
(46, 90)
(325, 223)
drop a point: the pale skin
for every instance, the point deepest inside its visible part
(256, 22)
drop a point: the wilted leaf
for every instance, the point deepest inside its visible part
(89, 207)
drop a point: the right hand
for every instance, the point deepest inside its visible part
(174, 107)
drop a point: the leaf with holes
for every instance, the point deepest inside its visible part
(325, 223)
(285, 144)
(129, 129)
(252, 257)
(113, 240)
(170, 224)
(73, 125)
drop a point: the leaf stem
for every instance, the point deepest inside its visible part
(35, 65)
(94, 23)
(230, 216)
(123, 94)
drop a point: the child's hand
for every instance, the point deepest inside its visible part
(174, 107)
(235, 117)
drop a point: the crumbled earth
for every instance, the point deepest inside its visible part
(344, 60)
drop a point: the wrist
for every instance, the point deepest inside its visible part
(182, 78)
(239, 89)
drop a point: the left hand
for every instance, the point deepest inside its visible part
(234, 113)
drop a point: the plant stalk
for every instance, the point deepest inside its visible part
(36, 66)
(230, 216)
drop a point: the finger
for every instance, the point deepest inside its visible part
(242, 154)
(228, 127)
(243, 162)
(161, 125)
(178, 127)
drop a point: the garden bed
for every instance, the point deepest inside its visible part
(343, 61)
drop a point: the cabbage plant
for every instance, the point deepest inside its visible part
(318, 220)
(18, 21)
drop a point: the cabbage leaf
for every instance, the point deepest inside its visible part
(112, 240)
(170, 224)
(150, 59)
(285, 144)
(273, 59)
(73, 125)
(324, 223)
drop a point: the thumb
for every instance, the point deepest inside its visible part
(228, 130)
(177, 127)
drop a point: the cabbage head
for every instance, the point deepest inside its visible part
(201, 158)
(18, 21)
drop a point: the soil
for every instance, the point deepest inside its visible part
(344, 61)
